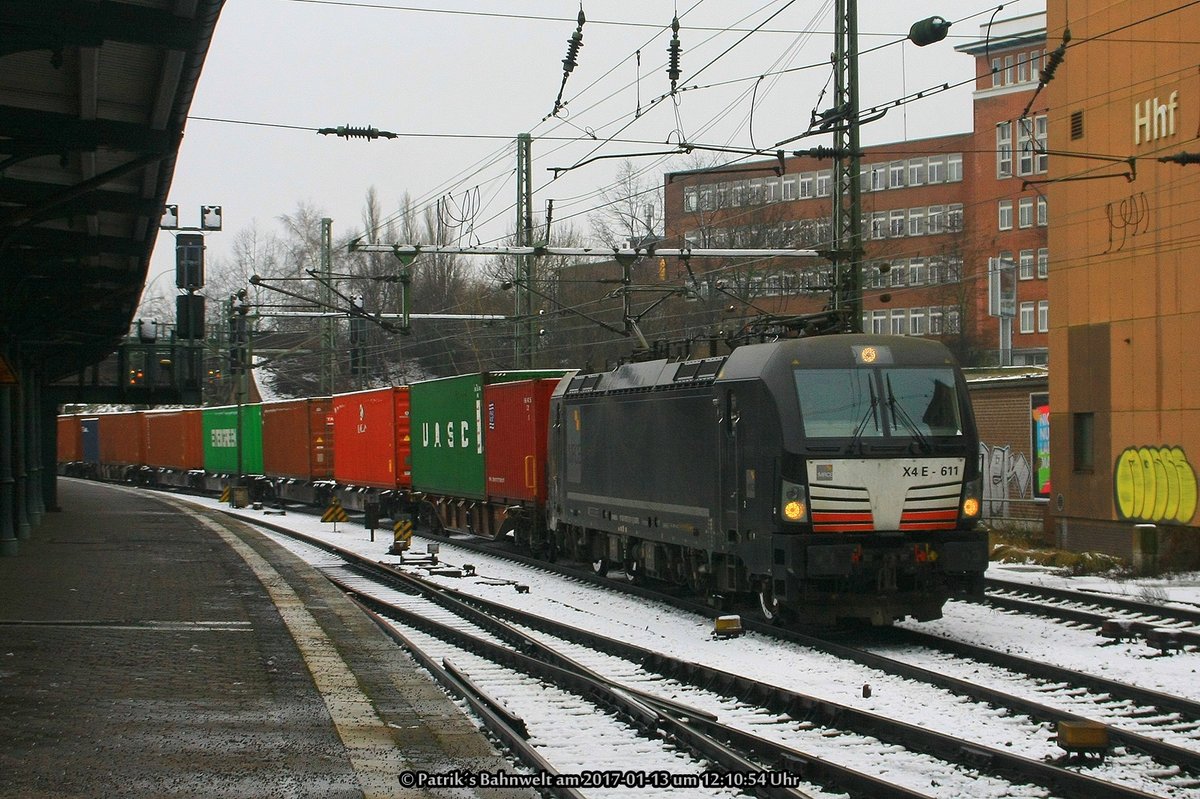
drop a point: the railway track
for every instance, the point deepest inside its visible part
(889, 737)
(1162, 626)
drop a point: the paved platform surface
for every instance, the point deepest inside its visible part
(149, 649)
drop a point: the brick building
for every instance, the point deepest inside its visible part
(1125, 302)
(936, 214)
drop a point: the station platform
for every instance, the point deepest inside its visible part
(149, 648)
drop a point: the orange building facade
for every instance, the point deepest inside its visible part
(938, 216)
(1125, 279)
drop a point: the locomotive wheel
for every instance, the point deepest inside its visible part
(772, 611)
(600, 567)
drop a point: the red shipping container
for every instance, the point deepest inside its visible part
(70, 440)
(371, 438)
(174, 439)
(298, 438)
(515, 420)
(123, 439)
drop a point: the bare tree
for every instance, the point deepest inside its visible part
(632, 209)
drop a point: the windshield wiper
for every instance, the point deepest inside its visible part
(898, 412)
(868, 416)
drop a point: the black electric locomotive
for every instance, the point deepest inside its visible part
(833, 477)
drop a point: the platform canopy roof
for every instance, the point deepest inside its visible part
(94, 95)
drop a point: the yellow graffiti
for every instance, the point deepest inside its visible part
(1155, 484)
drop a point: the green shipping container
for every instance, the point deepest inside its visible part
(221, 439)
(447, 431)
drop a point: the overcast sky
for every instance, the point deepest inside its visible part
(459, 79)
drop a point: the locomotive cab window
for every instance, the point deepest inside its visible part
(891, 402)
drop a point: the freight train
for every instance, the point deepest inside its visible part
(827, 478)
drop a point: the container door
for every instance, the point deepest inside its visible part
(89, 430)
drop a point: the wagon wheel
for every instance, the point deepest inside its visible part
(633, 569)
(427, 517)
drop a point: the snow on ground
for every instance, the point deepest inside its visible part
(689, 637)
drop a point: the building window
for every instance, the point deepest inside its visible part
(1025, 212)
(916, 272)
(954, 218)
(1005, 209)
(935, 220)
(1043, 263)
(757, 196)
(1042, 162)
(896, 223)
(916, 171)
(916, 221)
(879, 322)
(954, 168)
(936, 169)
(954, 269)
(1027, 317)
(878, 177)
(916, 321)
(896, 175)
(1035, 65)
(936, 325)
(707, 199)
(691, 199)
(1008, 70)
(1042, 215)
(1025, 146)
(824, 179)
(996, 77)
(898, 273)
(806, 185)
(1043, 316)
(723, 195)
(771, 190)
(879, 225)
(738, 195)
(1022, 68)
(1025, 262)
(1004, 150)
(790, 187)
(953, 321)
(899, 323)
(1083, 445)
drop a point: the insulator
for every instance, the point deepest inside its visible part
(348, 132)
(673, 53)
(1055, 59)
(574, 43)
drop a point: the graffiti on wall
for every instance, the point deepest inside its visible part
(1039, 430)
(1155, 484)
(1007, 475)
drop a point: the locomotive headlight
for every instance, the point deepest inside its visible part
(793, 502)
(971, 505)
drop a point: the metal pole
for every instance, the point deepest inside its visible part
(19, 455)
(8, 538)
(524, 272)
(847, 201)
(329, 326)
(33, 446)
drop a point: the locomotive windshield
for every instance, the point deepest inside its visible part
(878, 402)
